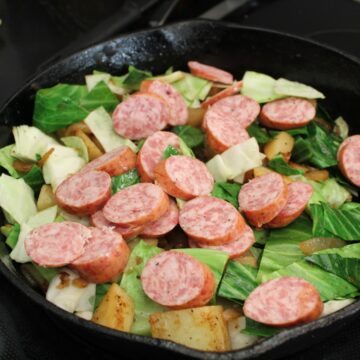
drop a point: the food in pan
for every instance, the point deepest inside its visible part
(187, 206)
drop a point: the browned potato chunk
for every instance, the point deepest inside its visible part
(297, 166)
(116, 310)
(247, 259)
(308, 247)
(231, 314)
(93, 151)
(196, 116)
(72, 129)
(202, 328)
(46, 198)
(317, 175)
(283, 143)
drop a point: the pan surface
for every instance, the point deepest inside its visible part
(235, 49)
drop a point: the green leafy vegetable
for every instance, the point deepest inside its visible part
(238, 282)
(330, 286)
(278, 164)
(261, 236)
(227, 191)
(131, 283)
(191, 136)
(135, 77)
(351, 206)
(124, 180)
(47, 273)
(64, 104)
(256, 329)
(260, 134)
(170, 151)
(6, 160)
(78, 144)
(13, 236)
(342, 127)
(34, 178)
(282, 246)
(339, 223)
(184, 149)
(293, 132)
(101, 290)
(294, 88)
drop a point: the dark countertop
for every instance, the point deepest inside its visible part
(33, 30)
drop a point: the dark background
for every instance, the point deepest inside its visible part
(33, 31)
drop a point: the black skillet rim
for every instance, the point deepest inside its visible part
(256, 350)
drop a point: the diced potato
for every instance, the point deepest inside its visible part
(238, 339)
(116, 310)
(261, 170)
(283, 143)
(297, 166)
(196, 116)
(317, 175)
(46, 198)
(231, 314)
(247, 259)
(93, 151)
(202, 328)
(308, 247)
(72, 129)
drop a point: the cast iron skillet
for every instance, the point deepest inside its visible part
(235, 49)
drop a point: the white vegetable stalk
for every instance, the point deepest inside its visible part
(64, 293)
(238, 339)
(335, 305)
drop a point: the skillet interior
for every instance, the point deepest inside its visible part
(235, 49)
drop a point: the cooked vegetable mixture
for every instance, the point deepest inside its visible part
(187, 206)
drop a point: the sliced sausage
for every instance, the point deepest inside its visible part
(236, 248)
(240, 108)
(210, 72)
(164, 224)
(115, 162)
(211, 221)
(262, 198)
(184, 177)
(84, 193)
(177, 280)
(299, 195)
(222, 133)
(127, 232)
(287, 113)
(152, 153)
(136, 205)
(283, 302)
(57, 244)
(105, 257)
(231, 90)
(140, 115)
(349, 159)
(177, 105)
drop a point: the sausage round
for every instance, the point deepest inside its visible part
(210, 72)
(140, 115)
(283, 302)
(105, 257)
(127, 232)
(240, 108)
(222, 133)
(288, 113)
(136, 205)
(231, 90)
(262, 198)
(178, 109)
(152, 153)
(115, 162)
(299, 195)
(57, 244)
(211, 221)
(234, 249)
(177, 280)
(84, 193)
(184, 177)
(164, 224)
(349, 159)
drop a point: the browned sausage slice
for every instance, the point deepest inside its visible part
(287, 113)
(262, 198)
(231, 90)
(184, 177)
(115, 162)
(105, 257)
(178, 109)
(84, 193)
(283, 302)
(140, 115)
(210, 72)
(299, 195)
(211, 221)
(177, 280)
(152, 153)
(136, 205)
(57, 244)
